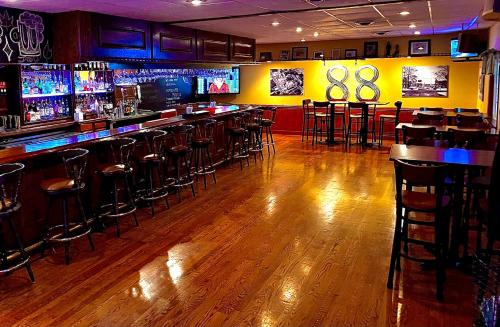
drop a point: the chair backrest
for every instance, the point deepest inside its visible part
(417, 135)
(431, 109)
(321, 106)
(205, 129)
(11, 176)
(470, 121)
(75, 163)
(155, 141)
(458, 110)
(473, 139)
(398, 105)
(409, 175)
(122, 149)
(181, 135)
(269, 113)
(433, 119)
(256, 115)
(356, 105)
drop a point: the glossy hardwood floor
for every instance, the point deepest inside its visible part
(302, 239)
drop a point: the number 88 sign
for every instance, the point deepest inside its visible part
(363, 82)
(369, 83)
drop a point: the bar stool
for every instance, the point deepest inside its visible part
(10, 185)
(354, 118)
(384, 119)
(321, 120)
(152, 163)
(203, 137)
(409, 200)
(254, 133)
(75, 163)
(179, 151)
(267, 122)
(307, 116)
(112, 174)
(237, 143)
(340, 113)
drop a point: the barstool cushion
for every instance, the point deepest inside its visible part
(57, 184)
(422, 201)
(356, 116)
(267, 122)
(253, 126)
(178, 150)
(388, 116)
(201, 142)
(109, 170)
(237, 131)
(150, 158)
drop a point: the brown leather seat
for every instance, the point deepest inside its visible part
(267, 122)
(112, 169)
(201, 142)
(253, 126)
(150, 158)
(422, 201)
(237, 131)
(178, 150)
(57, 184)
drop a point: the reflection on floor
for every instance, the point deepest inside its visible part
(301, 239)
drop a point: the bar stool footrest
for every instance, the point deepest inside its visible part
(58, 236)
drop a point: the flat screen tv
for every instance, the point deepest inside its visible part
(222, 81)
(457, 54)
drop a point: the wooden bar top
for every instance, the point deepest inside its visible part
(28, 151)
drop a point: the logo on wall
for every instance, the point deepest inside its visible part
(337, 83)
(367, 83)
(340, 83)
(23, 39)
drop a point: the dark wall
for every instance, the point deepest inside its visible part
(25, 37)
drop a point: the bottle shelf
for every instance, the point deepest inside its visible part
(30, 96)
(93, 92)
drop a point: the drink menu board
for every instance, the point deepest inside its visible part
(166, 92)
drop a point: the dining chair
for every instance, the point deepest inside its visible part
(307, 117)
(469, 121)
(429, 119)
(384, 119)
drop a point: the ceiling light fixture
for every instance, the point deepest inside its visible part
(298, 29)
(275, 23)
(404, 13)
(412, 25)
(316, 34)
(196, 2)
(416, 32)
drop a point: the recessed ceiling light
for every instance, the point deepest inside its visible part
(316, 34)
(196, 2)
(303, 40)
(412, 25)
(275, 23)
(298, 29)
(416, 32)
(404, 13)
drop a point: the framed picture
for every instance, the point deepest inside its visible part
(351, 53)
(425, 81)
(419, 48)
(371, 49)
(287, 81)
(285, 55)
(299, 53)
(266, 56)
(336, 54)
(319, 55)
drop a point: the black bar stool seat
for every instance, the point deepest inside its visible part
(204, 136)
(10, 185)
(237, 146)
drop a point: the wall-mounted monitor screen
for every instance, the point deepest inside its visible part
(456, 54)
(219, 81)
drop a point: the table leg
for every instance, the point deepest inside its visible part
(456, 231)
(364, 129)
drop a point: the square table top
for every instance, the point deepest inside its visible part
(447, 113)
(446, 128)
(436, 155)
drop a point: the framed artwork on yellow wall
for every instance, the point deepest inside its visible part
(418, 48)
(299, 53)
(425, 81)
(285, 55)
(319, 55)
(351, 54)
(287, 82)
(336, 53)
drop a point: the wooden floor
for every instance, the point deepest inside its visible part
(302, 239)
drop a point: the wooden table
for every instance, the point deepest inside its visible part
(459, 160)
(441, 129)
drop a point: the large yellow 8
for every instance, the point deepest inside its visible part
(337, 83)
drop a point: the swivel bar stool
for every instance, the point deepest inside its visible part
(179, 151)
(267, 122)
(152, 163)
(203, 138)
(321, 120)
(10, 185)
(254, 133)
(237, 145)
(116, 176)
(307, 117)
(75, 163)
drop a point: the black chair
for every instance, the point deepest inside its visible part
(355, 116)
(267, 122)
(203, 137)
(116, 177)
(339, 113)
(10, 186)
(408, 199)
(467, 121)
(307, 117)
(462, 110)
(254, 133)
(423, 136)
(431, 109)
(321, 122)
(179, 152)
(75, 163)
(393, 119)
(153, 166)
(237, 145)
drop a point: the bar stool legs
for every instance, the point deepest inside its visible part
(202, 156)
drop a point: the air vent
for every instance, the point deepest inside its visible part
(381, 33)
(364, 22)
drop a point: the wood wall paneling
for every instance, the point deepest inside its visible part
(173, 43)
(212, 46)
(242, 49)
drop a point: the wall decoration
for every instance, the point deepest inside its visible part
(287, 81)
(425, 81)
(319, 54)
(285, 55)
(367, 83)
(371, 49)
(419, 48)
(299, 53)
(396, 51)
(24, 36)
(336, 54)
(266, 56)
(388, 47)
(351, 54)
(340, 83)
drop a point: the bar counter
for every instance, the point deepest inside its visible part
(42, 162)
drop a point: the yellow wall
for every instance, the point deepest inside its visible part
(463, 82)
